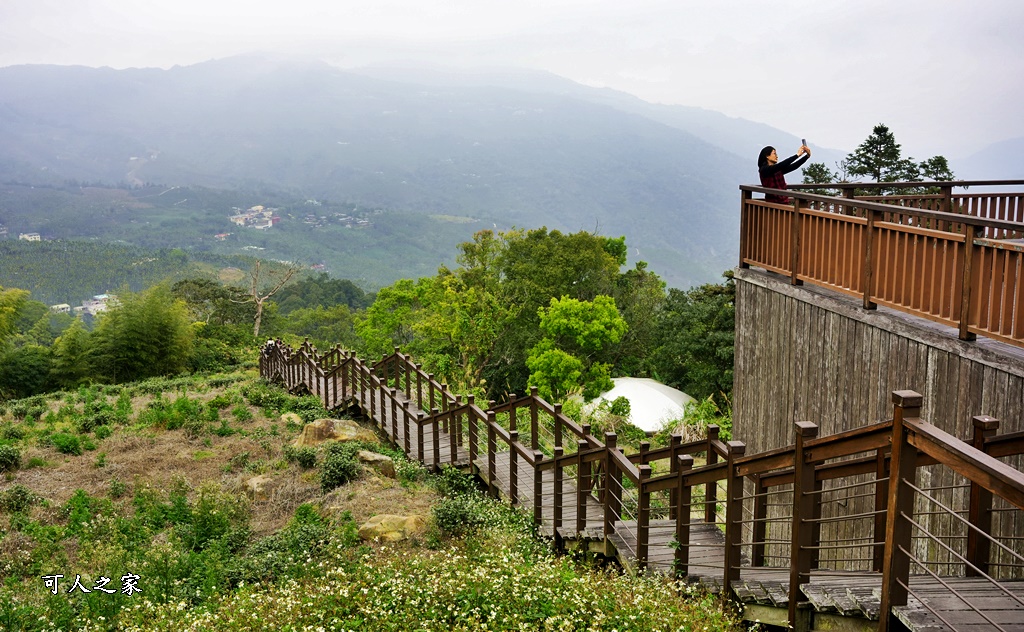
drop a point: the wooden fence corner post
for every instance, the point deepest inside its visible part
(582, 486)
(538, 489)
(794, 260)
(643, 518)
(745, 228)
(868, 271)
(802, 529)
(492, 448)
(612, 486)
(684, 494)
(966, 276)
(980, 508)
(733, 517)
(898, 530)
(711, 490)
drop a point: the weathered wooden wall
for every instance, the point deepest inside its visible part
(808, 354)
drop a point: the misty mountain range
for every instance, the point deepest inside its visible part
(513, 148)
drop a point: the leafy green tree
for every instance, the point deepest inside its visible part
(936, 168)
(321, 291)
(639, 295)
(25, 371)
(324, 326)
(213, 303)
(697, 330)
(144, 335)
(70, 367)
(575, 332)
(11, 302)
(388, 323)
(818, 173)
(880, 158)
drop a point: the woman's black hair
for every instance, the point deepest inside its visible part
(762, 158)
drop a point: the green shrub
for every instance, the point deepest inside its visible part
(17, 499)
(117, 488)
(242, 413)
(305, 456)
(11, 431)
(308, 407)
(458, 515)
(67, 443)
(10, 458)
(338, 466)
(216, 516)
(103, 432)
(452, 482)
(19, 409)
(263, 395)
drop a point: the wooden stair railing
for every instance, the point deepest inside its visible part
(884, 457)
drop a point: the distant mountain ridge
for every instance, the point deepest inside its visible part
(523, 152)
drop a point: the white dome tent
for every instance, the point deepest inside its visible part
(651, 403)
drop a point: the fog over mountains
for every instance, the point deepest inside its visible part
(510, 148)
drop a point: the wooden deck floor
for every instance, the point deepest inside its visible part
(931, 608)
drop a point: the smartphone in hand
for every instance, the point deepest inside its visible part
(803, 142)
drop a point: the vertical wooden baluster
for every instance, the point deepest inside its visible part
(802, 529)
(980, 508)
(684, 494)
(898, 530)
(643, 517)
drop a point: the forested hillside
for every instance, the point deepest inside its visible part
(66, 271)
(504, 156)
(373, 246)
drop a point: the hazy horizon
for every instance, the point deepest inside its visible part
(939, 74)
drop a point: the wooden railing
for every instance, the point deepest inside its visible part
(844, 502)
(956, 268)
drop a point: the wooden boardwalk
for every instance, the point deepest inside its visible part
(596, 478)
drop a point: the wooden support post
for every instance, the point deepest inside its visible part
(868, 271)
(733, 517)
(556, 521)
(683, 463)
(408, 376)
(538, 489)
(881, 504)
(513, 468)
(802, 530)
(643, 518)
(711, 489)
(419, 438)
(407, 440)
(898, 530)
(965, 293)
(419, 386)
(431, 393)
(558, 425)
(612, 486)
(582, 486)
(434, 424)
(980, 509)
(673, 496)
(794, 260)
(492, 448)
(473, 431)
(745, 227)
(394, 418)
(760, 526)
(534, 442)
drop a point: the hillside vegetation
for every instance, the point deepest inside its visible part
(150, 484)
(525, 155)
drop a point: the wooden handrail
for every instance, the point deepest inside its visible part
(901, 445)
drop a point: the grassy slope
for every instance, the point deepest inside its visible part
(169, 455)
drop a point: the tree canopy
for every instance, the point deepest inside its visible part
(880, 159)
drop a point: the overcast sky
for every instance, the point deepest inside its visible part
(946, 76)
